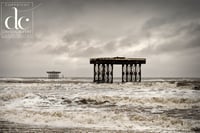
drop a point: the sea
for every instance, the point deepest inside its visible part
(153, 105)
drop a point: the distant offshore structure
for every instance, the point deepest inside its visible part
(103, 69)
(53, 74)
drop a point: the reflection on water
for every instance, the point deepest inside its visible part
(147, 106)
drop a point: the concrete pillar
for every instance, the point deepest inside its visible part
(135, 72)
(131, 72)
(140, 73)
(103, 73)
(123, 73)
(126, 72)
(111, 73)
(107, 73)
(94, 78)
(98, 73)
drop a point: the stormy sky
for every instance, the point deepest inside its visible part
(69, 32)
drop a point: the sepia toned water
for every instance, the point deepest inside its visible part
(149, 106)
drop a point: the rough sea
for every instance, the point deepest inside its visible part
(154, 105)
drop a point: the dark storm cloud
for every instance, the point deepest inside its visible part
(169, 14)
(75, 30)
(75, 41)
(82, 43)
(180, 39)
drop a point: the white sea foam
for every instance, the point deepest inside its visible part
(130, 106)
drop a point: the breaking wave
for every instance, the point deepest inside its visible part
(147, 106)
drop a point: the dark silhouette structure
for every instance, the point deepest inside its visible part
(103, 69)
(53, 74)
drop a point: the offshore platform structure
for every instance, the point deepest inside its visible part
(53, 74)
(103, 69)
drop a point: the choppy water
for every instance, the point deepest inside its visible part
(164, 106)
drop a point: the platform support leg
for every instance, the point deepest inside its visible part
(123, 73)
(140, 77)
(94, 78)
(131, 72)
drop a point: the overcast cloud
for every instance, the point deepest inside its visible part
(69, 32)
